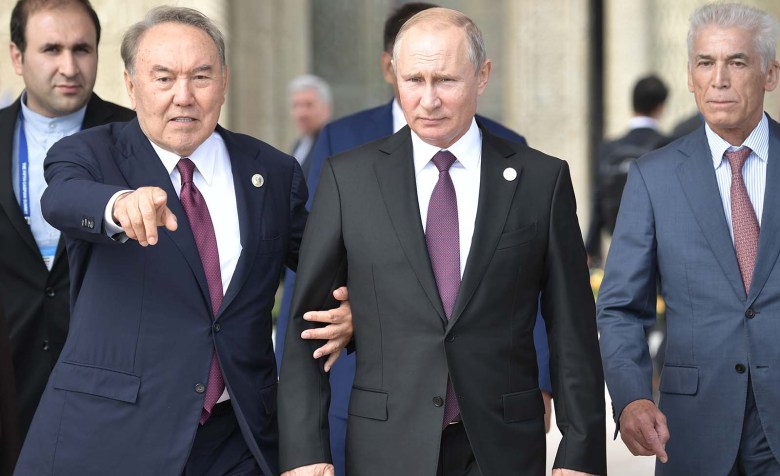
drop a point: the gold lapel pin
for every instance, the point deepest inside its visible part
(258, 180)
(510, 174)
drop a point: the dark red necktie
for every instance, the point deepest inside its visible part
(743, 217)
(203, 230)
(443, 240)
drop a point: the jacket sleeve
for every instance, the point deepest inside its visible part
(304, 389)
(569, 312)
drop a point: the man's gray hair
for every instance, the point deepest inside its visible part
(475, 44)
(761, 24)
(310, 81)
(168, 14)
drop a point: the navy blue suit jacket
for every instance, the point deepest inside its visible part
(126, 395)
(339, 136)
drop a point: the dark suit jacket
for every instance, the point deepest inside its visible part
(365, 231)
(36, 300)
(720, 339)
(9, 420)
(126, 395)
(336, 137)
(645, 138)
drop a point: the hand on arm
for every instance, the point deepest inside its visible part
(547, 397)
(338, 331)
(643, 429)
(141, 211)
(319, 469)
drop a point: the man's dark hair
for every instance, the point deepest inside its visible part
(649, 93)
(25, 8)
(397, 19)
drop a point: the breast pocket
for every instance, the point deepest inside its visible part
(518, 237)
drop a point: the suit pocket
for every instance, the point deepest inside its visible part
(517, 237)
(680, 380)
(268, 397)
(521, 406)
(96, 381)
(270, 245)
(368, 404)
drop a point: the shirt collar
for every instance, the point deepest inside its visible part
(467, 149)
(45, 125)
(399, 120)
(204, 157)
(758, 141)
(642, 122)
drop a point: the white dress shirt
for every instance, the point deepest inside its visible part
(465, 174)
(753, 172)
(41, 133)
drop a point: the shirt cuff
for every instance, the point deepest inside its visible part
(110, 228)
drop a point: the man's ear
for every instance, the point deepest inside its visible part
(130, 89)
(17, 58)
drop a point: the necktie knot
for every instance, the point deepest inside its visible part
(443, 160)
(737, 159)
(186, 169)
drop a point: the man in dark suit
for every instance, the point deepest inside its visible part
(54, 49)
(311, 106)
(350, 132)
(615, 156)
(446, 377)
(168, 367)
(699, 216)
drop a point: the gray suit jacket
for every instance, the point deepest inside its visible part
(365, 229)
(672, 224)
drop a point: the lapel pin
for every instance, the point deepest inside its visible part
(510, 174)
(258, 180)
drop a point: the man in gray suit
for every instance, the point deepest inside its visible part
(692, 215)
(446, 235)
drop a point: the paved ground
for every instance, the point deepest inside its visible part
(620, 461)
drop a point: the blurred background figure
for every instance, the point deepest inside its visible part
(54, 49)
(615, 157)
(311, 106)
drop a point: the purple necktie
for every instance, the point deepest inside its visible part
(203, 230)
(442, 238)
(743, 217)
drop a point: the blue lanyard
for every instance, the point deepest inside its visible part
(24, 175)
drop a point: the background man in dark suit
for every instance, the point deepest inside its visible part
(311, 106)
(615, 156)
(168, 367)
(699, 214)
(54, 48)
(446, 373)
(345, 134)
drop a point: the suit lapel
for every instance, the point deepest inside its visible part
(142, 167)
(8, 200)
(249, 202)
(697, 181)
(768, 244)
(395, 174)
(495, 199)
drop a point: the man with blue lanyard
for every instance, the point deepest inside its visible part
(54, 48)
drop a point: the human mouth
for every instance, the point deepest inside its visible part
(183, 119)
(69, 89)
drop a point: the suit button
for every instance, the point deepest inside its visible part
(739, 368)
(50, 292)
(750, 313)
(200, 388)
(438, 401)
(46, 345)
(450, 337)
(217, 327)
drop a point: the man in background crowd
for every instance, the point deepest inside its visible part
(311, 106)
(54, 48)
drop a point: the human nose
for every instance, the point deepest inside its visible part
(430, 97)
(67, 64)
(721, 77)
(183, 92)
